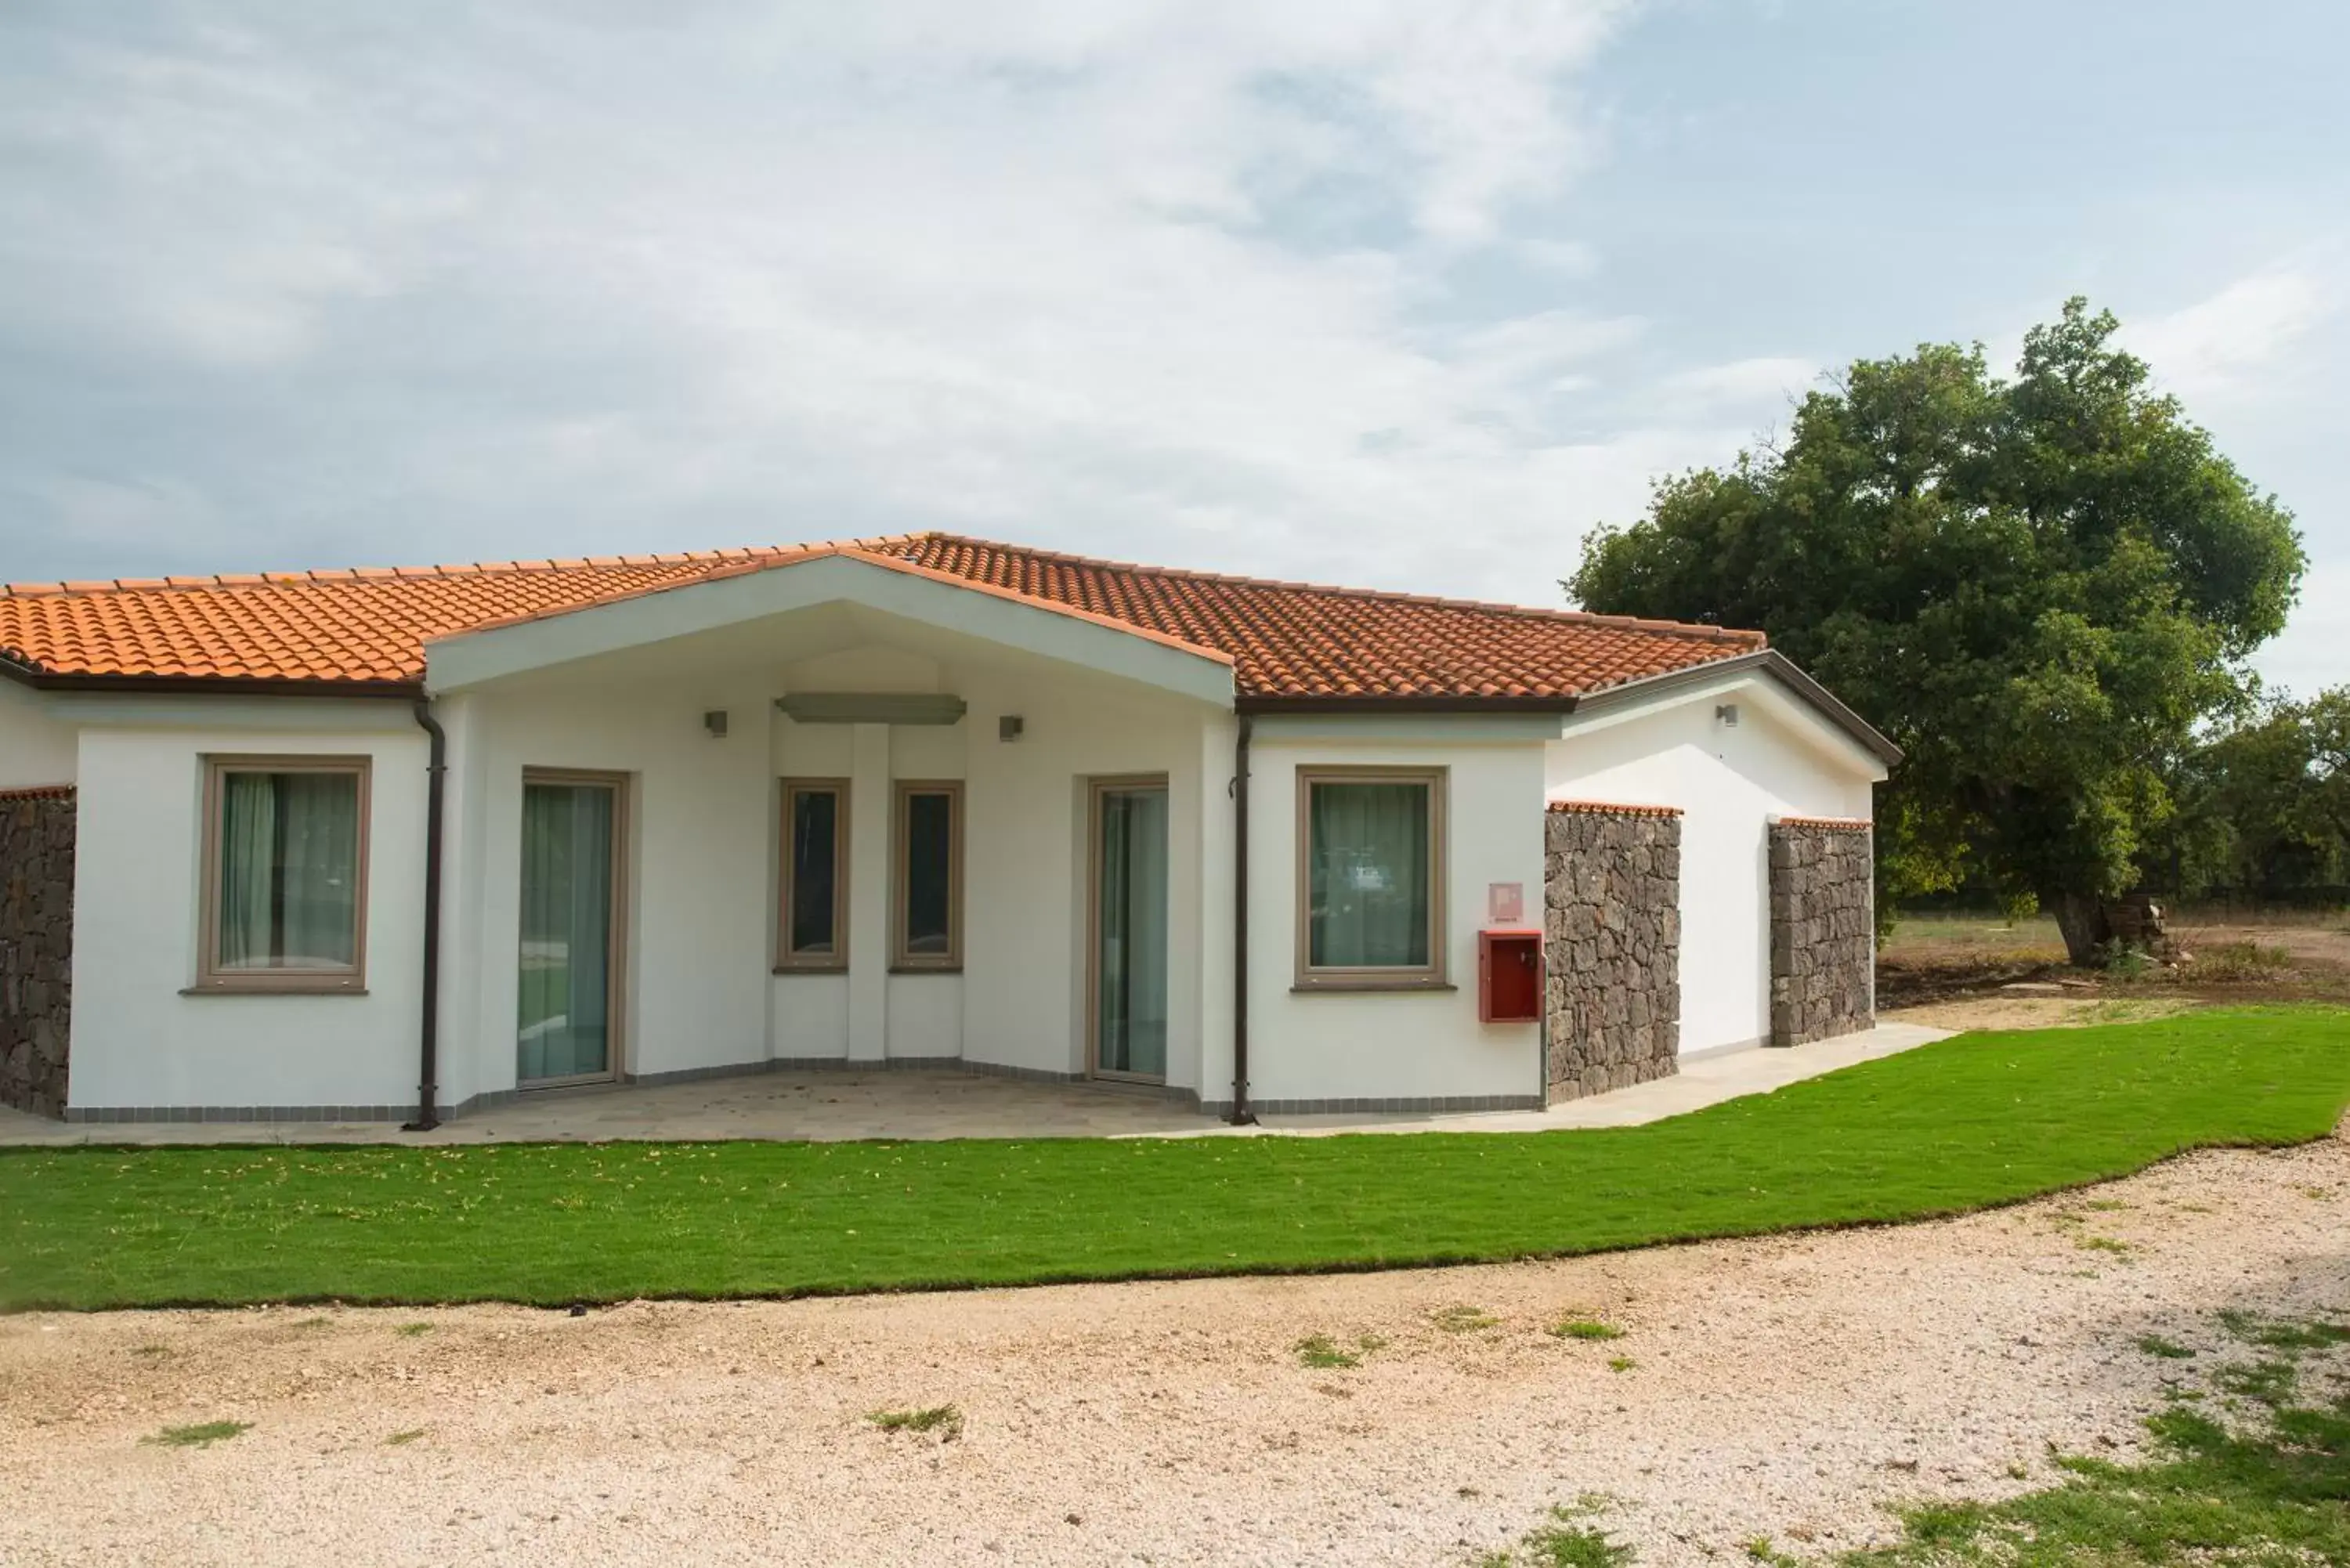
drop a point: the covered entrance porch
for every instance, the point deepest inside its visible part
(831, 815)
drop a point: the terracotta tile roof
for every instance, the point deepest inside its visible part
(1611, 808)
(366, 625)
(1285, 639)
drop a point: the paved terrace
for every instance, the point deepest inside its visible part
(835, 1106)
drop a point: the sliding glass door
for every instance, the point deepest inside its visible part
(1129, 929)
(570, 887)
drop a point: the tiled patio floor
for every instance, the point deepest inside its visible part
(932, 1103)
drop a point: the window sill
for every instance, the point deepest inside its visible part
(926, 968)
(273, 990)
(1370, 982)
(809, 969)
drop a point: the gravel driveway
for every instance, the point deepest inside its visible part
(1783, 1387)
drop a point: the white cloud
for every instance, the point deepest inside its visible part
(1743, 382)
(2230, 346)
(361, 286)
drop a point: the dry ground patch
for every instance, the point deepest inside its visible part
(1978, 971)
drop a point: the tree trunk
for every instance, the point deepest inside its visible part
(2082, 917)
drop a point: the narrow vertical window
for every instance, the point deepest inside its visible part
(927, 914)
(1371, 877)
(285, 859)
(815, 920)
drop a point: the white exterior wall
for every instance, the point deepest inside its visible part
(1728, 782)
(1027, 861)
(36, 747)
(697, 900)
(137, 1041)
(1403, 1044)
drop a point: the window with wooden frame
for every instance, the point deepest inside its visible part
(284, 875)
(1370, 878)
(813, 928)
(926, 875)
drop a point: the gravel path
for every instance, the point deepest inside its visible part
(1785, 1387)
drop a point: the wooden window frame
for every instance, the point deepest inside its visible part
(787, 961)
(1433, 975)
(901, 961)
(211, 978)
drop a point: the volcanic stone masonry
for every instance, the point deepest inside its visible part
(1822, 929)
(1612, 928)
(36, 872)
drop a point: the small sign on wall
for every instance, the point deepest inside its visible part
(1505, 903)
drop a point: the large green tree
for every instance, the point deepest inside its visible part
(2038, 587)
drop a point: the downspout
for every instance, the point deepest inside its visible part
(428, 1034)
(1242, 1115)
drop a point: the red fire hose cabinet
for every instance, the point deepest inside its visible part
(1509, 975)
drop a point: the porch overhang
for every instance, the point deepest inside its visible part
(836, 576)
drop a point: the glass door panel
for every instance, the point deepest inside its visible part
(1130, 957)
(565, 1024)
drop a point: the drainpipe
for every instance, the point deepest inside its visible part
(428, 1034)
(1242, 1115)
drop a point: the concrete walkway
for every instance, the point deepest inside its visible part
(1702, 1081)
(830, 1106)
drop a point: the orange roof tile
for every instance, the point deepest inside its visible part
(1292, 640)
(1611, 808)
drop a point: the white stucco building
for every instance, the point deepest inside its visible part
(923, 800)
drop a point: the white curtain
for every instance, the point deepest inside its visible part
(290, 871)
(1131, 999)
(1370, 870)
(564, 1025)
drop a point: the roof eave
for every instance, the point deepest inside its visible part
(1641, 689)
(1764, 661)
(43, 680)
(1403, 702)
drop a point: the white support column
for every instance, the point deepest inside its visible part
(474, 1054)
(869, 894)
(1213, 931)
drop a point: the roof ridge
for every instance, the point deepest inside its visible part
(1390, 595)
(724, 556)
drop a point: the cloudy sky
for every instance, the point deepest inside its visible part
(1406, 292)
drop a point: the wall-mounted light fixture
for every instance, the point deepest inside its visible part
(715, 723)
(1726, 715)
(1010, 727)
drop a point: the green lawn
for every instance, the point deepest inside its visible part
(1981, 1119)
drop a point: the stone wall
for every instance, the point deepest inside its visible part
(36, 872)
(1822, 929)
(1612, 936)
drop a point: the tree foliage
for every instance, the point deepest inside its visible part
(2038, 587)
(2262, 805)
